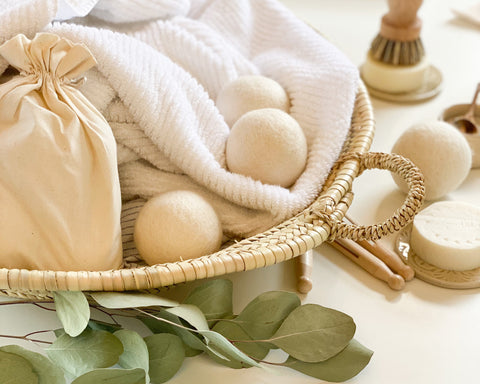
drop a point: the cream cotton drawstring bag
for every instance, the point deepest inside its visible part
(60, 196)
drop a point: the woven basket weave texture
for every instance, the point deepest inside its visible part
(317, 223)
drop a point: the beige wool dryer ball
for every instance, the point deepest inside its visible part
(268, 145)
(247, 93)
(442, 154)
(177, 225)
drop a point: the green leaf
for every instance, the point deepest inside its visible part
(219, 345)
(47, 372)
(313, 333)
(72, 310)
(191, 314)
(135, 351)
(14, 369)
(191, 342)
(59, 332)
(191, 352)
(341, 367)
(220, 349)
(215, 343)
(98, 325)
(166, 356)
(263, 315)
(233, 331)
(220, 359)
(90, 350)
(213, 298)
(118, 300)
(112, 376)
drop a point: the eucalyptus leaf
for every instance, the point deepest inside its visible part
(213, 298)
(191, 314)
(59, 332)
(135, 351)
(112, 376)
(222, 347)
(72, 310)
(15, 369)
(119, 300)
(218, 346)
(341, 367)
(166, 356)
(98, 325)
(222, 360)
(191, 352)
(191, 342)
(313, 333)
(47, 372)
(233, 331)
(90, 350)
(263, 315)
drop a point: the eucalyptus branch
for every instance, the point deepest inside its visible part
(36, 332)
(166, 321)
(250, 341)
(126, 313)
(112, 316)
(267, 362)
(25, 302)
(229, 320)
(192, 329)
(42, 307)
(300, 324)
(26, 338)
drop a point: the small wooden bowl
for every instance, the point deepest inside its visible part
(473, 139)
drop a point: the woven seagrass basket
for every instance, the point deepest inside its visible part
(319, 222)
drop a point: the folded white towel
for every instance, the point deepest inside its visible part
(165, 75)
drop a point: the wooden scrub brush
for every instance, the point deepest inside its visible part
(398, 41)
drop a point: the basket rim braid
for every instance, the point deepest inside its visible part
(317, 223)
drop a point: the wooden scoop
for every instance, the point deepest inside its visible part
(467, 123)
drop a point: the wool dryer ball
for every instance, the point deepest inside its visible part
(442, 154)
(177, 225)
(268, 145)
(247, 93)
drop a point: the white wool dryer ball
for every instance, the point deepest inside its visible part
(268, 145)
(247, 93)
(442, 154)
(177, 225)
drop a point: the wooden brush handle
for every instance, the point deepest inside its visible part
(368, 262)
(390, 258)
(401, 22)
(304, 272)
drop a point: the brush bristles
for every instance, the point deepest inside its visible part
(397, 52)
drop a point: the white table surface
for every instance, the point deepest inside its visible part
(423, 334)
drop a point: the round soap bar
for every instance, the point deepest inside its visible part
(268, 145)
(247, 93)
(442, 154)
(447, 235)
(393, 78)
(177, 225)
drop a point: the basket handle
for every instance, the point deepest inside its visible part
(401, 217)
